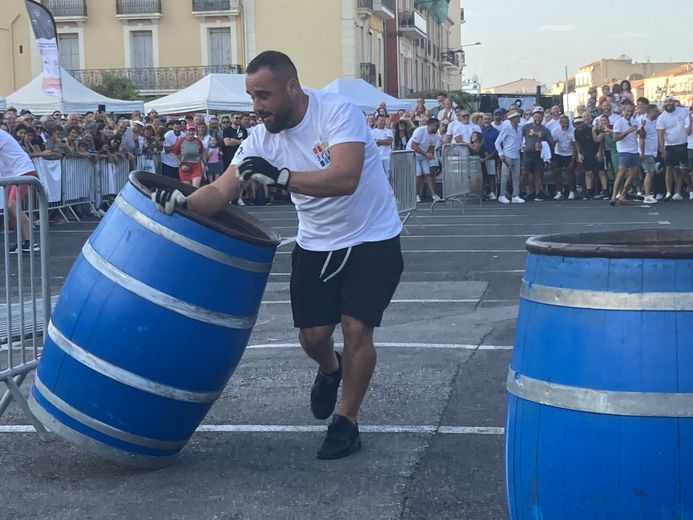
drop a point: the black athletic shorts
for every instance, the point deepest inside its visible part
(589, 163)
(169, 171)
(677, 156)
(533, 163)
(561, 161)
(358, 281)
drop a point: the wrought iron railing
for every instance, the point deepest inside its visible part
(155, 78)
(367, 72)
(387, 4)
(450, 56)
(138, 7)
(215, 5)
(66, 8)
(365, 4)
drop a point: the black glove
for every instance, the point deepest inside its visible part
(258, 169)
(166, 201)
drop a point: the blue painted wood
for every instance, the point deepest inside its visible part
(146, 339)
(573, 465)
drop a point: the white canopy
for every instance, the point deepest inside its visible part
(219, 92)
(76, 98)
(366, 96)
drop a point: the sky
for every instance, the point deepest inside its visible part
(539, 38)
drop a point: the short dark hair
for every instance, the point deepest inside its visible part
(433, 120)
(275, 61)
(643, 101)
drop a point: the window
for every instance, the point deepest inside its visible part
(141, 49)
(68, 46)
(220, 47)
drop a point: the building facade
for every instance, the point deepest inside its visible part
(400, 46)
(610, 71)
(677, 82)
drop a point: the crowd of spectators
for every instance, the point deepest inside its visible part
(614, 147)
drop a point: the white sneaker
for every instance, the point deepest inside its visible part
(436, 198)
(503, 199)
(659, 196)
(558, 196)
(518, 200)
(649, 199)
(677, 196)
(492, 196)
(690, 195)
(418, 199)
(240, 202)
(571, 195)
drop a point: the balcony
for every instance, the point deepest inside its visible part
(206, 8)
(367, 72)
(138, 9)
(384, 9)
(364, 7)
(67, 10)
(450, 59)
(462, 20)
(155, 80)
(412, 24)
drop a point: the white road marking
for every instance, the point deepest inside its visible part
(476, 251)
(664, 223)
(279, 428)
(386, 344)
(287, 241)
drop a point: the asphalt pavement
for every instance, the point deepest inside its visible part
(432, 422)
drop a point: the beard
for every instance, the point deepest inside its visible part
(670, 108)
(277, 121)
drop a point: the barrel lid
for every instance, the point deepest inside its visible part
(230, 221)
(638, 243)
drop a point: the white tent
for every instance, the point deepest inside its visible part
(76, 98)
(366, 96)
(218, 92)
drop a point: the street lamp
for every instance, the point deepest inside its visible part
(467, 45)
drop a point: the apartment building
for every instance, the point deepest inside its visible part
(677, 82)
(165, 45)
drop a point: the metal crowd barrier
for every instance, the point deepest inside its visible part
(77, 185)
(462, 175)
(403, 181)
(26, 310)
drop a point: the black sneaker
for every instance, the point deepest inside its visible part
(541, 196)
(27, 247)
(529, 196)
(323, 394)
(13, 249)
(342, 439)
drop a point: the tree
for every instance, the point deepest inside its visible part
(118, 87)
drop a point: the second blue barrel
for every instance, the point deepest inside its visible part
(600, 387)
(151, 323)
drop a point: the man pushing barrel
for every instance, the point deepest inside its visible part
(347, 260)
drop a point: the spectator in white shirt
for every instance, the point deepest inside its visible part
(508, 144)
(564, 157)
(672, 132)
(423, 142)
(629, 162)
(648, 149)
(384, 138)
(463, 132)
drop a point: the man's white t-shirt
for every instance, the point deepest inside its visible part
(465, 130)
(674, 126)
(565, 141)
(423, 139)
(170, 139)
(385, 150)
(651, 140)
(14, 162)
(629, 144)
(330, 223)
(451, 127)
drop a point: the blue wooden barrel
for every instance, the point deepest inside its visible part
(600, 386)
(151, 323)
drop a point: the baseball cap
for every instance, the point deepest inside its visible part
(537, 110)
(670, 98)
(137, 122)
(498, 111)
(578, 120)
(191, 127)
(514, 113)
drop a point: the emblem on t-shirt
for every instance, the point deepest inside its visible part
(322, 154)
